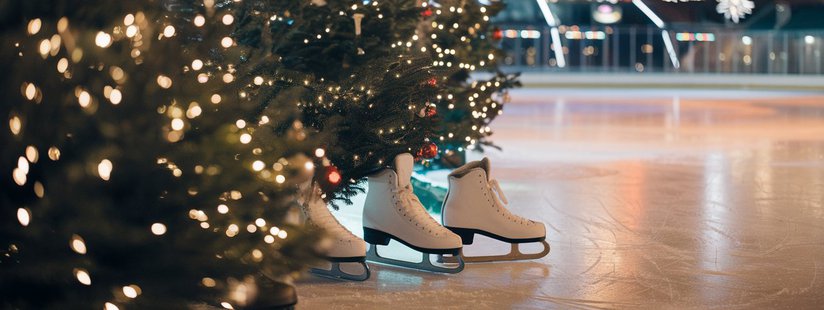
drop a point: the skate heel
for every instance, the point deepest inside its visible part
(373, 236)
(467, 235)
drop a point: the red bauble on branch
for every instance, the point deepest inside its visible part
(431, 111)
(332, 175)
(427, 12)
(497, 34)
(432, 82)
(428, 111)
(428, 151)
(329, 178)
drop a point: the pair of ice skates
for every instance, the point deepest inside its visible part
(474, 204)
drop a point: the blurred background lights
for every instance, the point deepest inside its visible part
(258, 165)
(158, 229)
(104, 169)
(78, 245)
(131, 291)
(199, 20)
(226, 42)
(34, 26)
(245, 138)
(228, 19)
(169, 31)
(103, 39)
(24, 216)
(82, 276)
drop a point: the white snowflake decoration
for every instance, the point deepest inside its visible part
(735, 9)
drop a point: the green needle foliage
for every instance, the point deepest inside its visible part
(459, 34)
(362, 93)
(129, 164)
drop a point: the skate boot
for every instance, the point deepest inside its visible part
(475, 204)
(392, 211)
(343, 247)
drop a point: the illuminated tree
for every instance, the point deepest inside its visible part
(364, 91)
(135, 172)
(459, 35)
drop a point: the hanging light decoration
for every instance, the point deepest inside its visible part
(735, 10)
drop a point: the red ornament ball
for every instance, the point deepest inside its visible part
(497, 34)
(332, 175)
(429, 151)
(431, 111)
(427, 12)
(432, 82)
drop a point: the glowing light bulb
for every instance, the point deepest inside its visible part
(169, 31)
(320, 152)
(129, 291)
(258, 165)
(31, 91)
(103, 39)
(62, 65)
(15, 125)
(199, 20)
(280, 179)
(216, 98)
(228, 19)
(104, 169)
(45, 47)
(84, 99)
(223, 209)
(83, 276)
(226, 42)
(245, 138)
(24, 216)
(78, 245)
(54, 153)
(110, 306)
(34, 26)
(177, 124)
(116, 96)
(197, 64)
(158, 229)
(164, 81)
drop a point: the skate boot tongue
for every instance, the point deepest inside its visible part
(403, 167)
(487, 168)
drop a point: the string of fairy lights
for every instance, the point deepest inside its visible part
(137, 30)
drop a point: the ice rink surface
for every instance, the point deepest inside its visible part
(660, 199)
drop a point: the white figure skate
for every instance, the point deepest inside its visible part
(342, 247)
(475, 204)
(392, 211)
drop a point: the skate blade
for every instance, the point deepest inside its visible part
(335, 272)
(425, 264)
(514, 254)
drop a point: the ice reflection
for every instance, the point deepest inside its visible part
(655, 199)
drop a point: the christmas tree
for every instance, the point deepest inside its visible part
(459, 34)
(364, 93)
(136, 171)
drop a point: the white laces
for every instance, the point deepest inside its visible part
(325, 220)
(501, 202)
(417, 212)
(499, 193)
